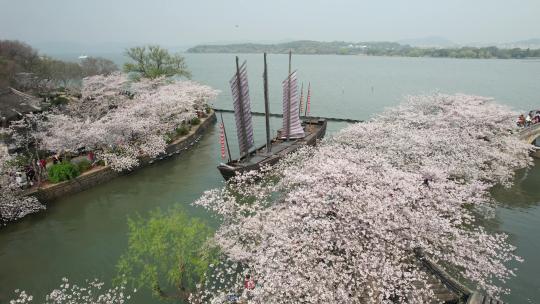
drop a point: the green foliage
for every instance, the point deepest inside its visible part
(154, 61)
(367, 48)
(343, 51)
(19, 161)
(59, 100)
(168, 138)
(167, 252)
(84, 165)
(182, 130)
(195, 121)
(62, 172)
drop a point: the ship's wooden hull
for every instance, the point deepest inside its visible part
(314, 130)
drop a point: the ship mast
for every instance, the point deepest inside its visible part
(288, 108)
(267, 108)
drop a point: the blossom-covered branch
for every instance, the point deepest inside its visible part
(90, 293)
(13, 206)
(123, 120)
(340, 223)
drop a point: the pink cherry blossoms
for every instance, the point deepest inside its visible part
(13, 206)
(93, 292)
(124, 120)
(339, 223)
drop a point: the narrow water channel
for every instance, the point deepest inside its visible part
(82, 236)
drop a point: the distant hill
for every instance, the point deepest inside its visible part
(299, 47)
(429, 42)
(368, 48)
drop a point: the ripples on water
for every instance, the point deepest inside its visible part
(519, 216)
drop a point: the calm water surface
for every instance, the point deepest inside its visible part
(82, 236)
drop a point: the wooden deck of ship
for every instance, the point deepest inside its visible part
(315, 129)
(261, 154)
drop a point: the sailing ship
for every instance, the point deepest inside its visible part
(296, 132)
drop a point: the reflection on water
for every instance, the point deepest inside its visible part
(83, 236)
(525, 190)
(519, 216)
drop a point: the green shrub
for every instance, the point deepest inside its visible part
(59, 100)
(195, 121)
(20, 161)
(62, 172)
(84, 165)
(182, 130)
(168, 138)
(208, 110)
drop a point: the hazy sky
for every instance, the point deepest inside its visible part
(192, 22)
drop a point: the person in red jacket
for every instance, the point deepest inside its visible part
(249, 283)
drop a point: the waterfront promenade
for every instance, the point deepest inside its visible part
(531, 134)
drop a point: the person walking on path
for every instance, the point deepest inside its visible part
(521, 121)
(528, 119)
(536, 118)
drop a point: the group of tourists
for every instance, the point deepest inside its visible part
(31, 174)
(532, 118)
(249, 286)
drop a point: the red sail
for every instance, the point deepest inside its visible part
(308, 99)
(301, 99)
(222, 140)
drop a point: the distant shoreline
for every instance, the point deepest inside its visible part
(385, 49)
(361, 55)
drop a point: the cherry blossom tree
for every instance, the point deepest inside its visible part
(100, 94)
(62, 133)
(124, 120)
(13, 205)
(340, 223)
(24, 133)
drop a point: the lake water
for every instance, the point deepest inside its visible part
(82, 236)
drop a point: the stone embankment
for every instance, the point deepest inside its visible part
(99, 175)
(530, 135)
